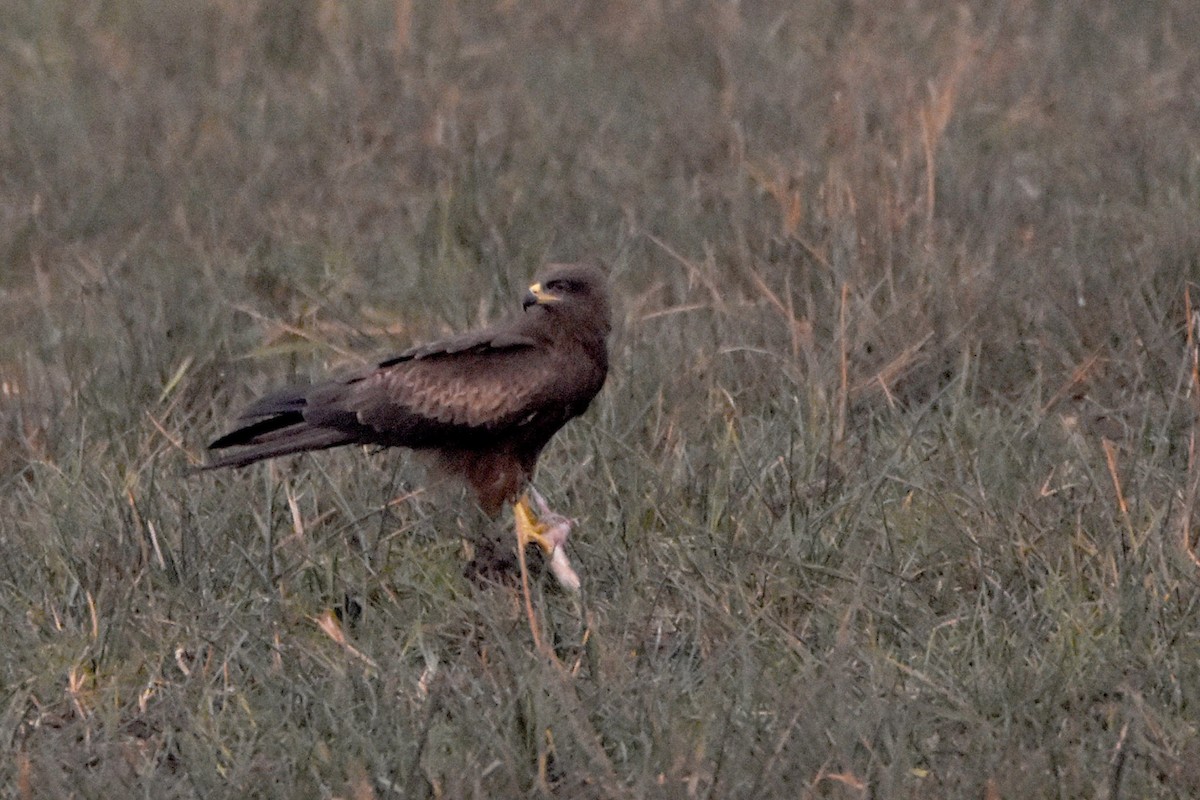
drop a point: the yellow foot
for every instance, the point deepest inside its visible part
(550, 533)
(529, 527)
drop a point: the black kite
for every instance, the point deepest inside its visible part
(484, 403)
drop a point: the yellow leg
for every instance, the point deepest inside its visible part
(528, 530)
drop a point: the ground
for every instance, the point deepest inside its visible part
(890, 493)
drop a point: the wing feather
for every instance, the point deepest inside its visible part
(489, 389)
(495, 338)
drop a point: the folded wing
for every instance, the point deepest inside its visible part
(470, 389)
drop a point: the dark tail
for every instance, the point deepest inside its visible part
(275, 426)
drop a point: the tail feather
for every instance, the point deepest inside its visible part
(293, 439)
(275, 426)
(259, 432)
(293, 399)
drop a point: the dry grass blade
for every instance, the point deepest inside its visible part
(331, 626)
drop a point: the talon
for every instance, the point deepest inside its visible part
(530, 528)
(550, 532)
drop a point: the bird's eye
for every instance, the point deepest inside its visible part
(554, 285)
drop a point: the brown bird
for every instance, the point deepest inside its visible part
(484, 404)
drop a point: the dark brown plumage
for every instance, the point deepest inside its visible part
(484, 403)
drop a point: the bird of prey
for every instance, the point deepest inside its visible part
(484, 404)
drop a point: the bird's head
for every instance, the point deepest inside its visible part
(570, 290)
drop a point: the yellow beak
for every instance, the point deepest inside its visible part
(538, 296)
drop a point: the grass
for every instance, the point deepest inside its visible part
(890, 493)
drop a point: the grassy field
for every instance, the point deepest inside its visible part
(891, 492)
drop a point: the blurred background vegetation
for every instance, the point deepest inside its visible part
(891, 490)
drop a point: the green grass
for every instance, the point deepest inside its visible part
(890, 493)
